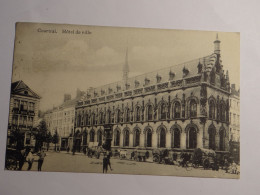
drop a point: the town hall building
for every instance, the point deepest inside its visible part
(182, 107)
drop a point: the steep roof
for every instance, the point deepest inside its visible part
(177, 72)
(20, 88)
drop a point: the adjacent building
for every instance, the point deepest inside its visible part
(234, 116)
(181, 107)
(23, 114)
(61, 120)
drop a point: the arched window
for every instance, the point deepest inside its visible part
(222, 112)
(149, 112)
(92, 136)
(138, 113)
(177, 110)
(192, 138)
(101, 118)
(93, 119)
(86, 118)
(116, 138)
(193, 108)
(176, 138)
(99, 137)
(79, 119)
(118, 116)
(126, 137)
(85, 136)
(162, 138)
(212, 139)
(136, 137)
(222, 140)
(127, 115)
(109, 116)
(163, 111)
(149, 138)
(212, 109)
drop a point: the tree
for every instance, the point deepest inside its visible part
(55, 138)
(48, 140)
(40, 134)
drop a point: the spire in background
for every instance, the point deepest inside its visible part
(217, 45)
(126, 67)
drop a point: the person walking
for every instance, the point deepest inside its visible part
(109, 154)
(29, 159)
(41, 155)
(105, 163)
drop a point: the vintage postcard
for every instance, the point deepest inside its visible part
(115, 100)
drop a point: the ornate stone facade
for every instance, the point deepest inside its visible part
(182, 107)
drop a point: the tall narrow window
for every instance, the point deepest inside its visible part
(138, 113)
(109, 116)
(117, 138)
(149, 113)
(177, 110)
(176, 138)
(137, 138)
(212, 109)
(92, 136)
(212, 133)
(127, 115)
(118, 116)
(163, 111)
(222, 140)
(162, 138)
(99, 137)
(126, 138)
(149, 138)
(192, 138)
(222, 112)
(193, 108)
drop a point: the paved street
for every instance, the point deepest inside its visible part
(64, 162)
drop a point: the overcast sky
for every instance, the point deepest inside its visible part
(56, 63)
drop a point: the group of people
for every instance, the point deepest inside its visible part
(26, 155)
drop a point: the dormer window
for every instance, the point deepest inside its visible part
(127, 86)
(118, 88)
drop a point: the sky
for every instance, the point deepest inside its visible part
(53, 64)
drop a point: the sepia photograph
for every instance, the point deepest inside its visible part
(119, 100)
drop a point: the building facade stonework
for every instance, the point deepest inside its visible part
(181, 107)
(23, 115)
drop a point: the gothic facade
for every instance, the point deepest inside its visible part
(182, 107)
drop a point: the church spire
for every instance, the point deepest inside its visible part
(217, 45)
(126, 67)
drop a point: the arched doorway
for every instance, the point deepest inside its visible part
(212, 137)
(192, 138)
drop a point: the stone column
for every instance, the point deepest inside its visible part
(200, 139)
(168, 140)
(142, 139)
(131, 138)
(121, 139)
(154, 140)
(183, 140)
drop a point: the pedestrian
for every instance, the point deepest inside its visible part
(41, 155)
(105, 163)
(29, 159)
(109, 154)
